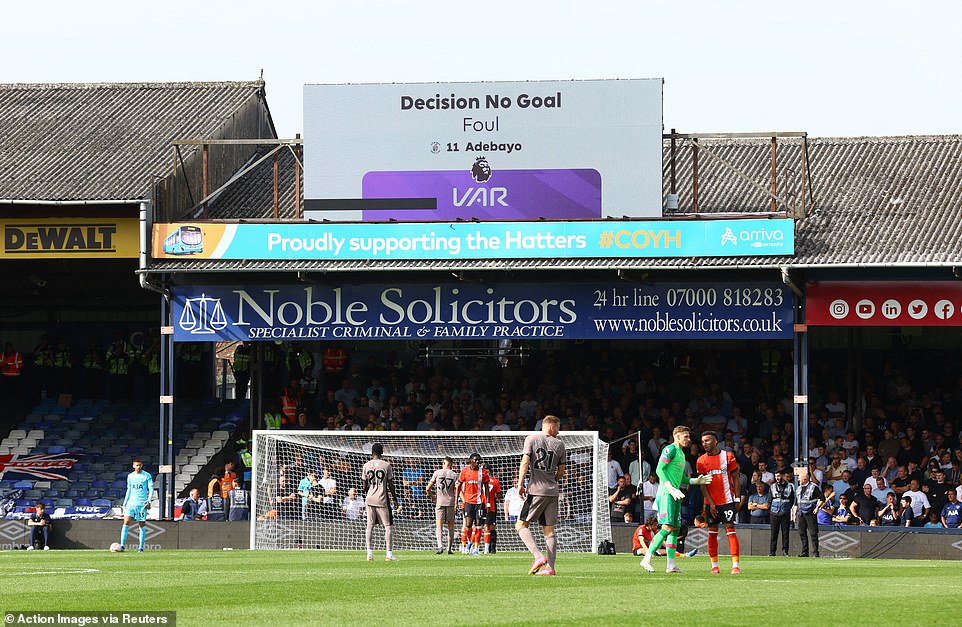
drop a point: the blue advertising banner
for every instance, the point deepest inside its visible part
(476, 240)
(483, 311)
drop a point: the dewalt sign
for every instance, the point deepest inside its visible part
(70, 237)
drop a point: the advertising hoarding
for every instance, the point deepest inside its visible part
(884, 303)
(50, 238)
(473, 311)
(488, 151)
(470, 240)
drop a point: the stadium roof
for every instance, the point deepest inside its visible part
(103, 141)
(871, 201)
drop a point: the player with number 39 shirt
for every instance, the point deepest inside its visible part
(722, 497)
(544, 459)
(377, 478)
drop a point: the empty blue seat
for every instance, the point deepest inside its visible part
(63, 502)
(132, 450)
(23, 485)
(100, 484)
(83, 502)
(52, 494)
(114, 493)
(73, 493)
(118, 485)
(102, 503)
(79, 467)
(23, 503)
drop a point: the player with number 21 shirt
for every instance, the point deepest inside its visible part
(543, 462)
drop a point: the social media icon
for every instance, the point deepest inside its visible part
(944, 309)
(865, 309)
(838, 309)
(918, 309)
(891, 309)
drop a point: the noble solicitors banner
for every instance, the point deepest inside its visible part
(478, 311)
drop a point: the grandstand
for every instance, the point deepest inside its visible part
(105, 435)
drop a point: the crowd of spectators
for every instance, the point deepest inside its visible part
(900, 435)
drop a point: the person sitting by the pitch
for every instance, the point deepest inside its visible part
(193, 507)
(40, 525)
(645, 532)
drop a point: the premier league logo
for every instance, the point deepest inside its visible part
(481, 170)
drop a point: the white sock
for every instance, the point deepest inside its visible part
(671, 564)
(714, 564)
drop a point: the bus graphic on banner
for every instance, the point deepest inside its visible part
(185, 240)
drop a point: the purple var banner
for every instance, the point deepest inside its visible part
(560, 194)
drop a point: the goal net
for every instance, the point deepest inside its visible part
(329, 519)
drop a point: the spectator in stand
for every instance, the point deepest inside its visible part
(615, 471)
(889, 514)
(906, 513)
(620, 500)
(901, 482)
(842, 485)
(834, 470)
(872, 458)
(826, 506)
(842, 514)
(934, 522)
(861, 472)
(890, 470)
(864, 507)
(759, 504)
(952, 511)
(937, 490)
(767, 477)
(920, 502)
(352, 506)
(649, 489)
(815, 475)
(880, 491)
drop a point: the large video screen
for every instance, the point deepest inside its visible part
(519, 151)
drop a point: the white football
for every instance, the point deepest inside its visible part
(116, 547)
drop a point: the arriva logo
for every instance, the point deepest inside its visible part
(760, 238)
(729, 237)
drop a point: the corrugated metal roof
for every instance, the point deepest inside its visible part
(877, 201)
(103, 141)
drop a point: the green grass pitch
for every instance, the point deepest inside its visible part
(342, 588)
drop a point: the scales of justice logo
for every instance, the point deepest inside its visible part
(202, 315)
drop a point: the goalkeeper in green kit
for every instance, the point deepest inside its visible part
(671, 474)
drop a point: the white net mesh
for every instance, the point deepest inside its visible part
(284, 519)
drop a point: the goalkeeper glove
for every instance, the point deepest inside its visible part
(675, 493)
(701, 480)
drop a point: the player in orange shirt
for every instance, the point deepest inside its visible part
(470, 488)
(491, 515)
(722, 497)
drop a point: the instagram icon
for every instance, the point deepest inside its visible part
(838, 309)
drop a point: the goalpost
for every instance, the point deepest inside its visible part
(282, 460)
